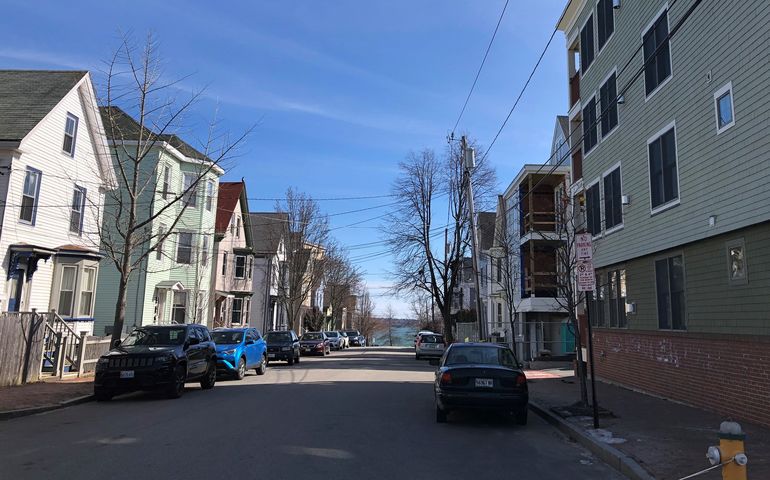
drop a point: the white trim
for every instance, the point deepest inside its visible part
(676, 201)
(726, 88)
(606, 42)
(670, 51)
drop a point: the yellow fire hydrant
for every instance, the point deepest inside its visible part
(730, 453)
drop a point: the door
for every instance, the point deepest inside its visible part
(195, 354)
(250, 348)
(15, 290)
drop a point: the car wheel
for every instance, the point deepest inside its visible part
(176, 389)
(240, 372)
(210, 377)
(103, 395)
(262, 368)
(291, 360)
(520, 416)
(441, 415)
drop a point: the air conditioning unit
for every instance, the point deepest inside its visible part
(630, 307)
(625, 199)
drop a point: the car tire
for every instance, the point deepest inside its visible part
(291, 360)
(176, 388)
(262, 368)
(240, 370)
(520, 416)
(441, 415)
(103, 395)
(210, 377)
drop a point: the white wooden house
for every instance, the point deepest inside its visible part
(54, 170)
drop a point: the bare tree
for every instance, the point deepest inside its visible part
(136, 205)
(389, 314)
(425, 182)
(341, 280)
(306, 237)
(505, 264)
(421, 309)
(314, 320)
(366, 322)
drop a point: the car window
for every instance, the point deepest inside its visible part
(225, 337)
(156, 336)
(203, 333)
(432, 339)
(192, 332)
(480, 355)
(332, 334)
(278, 337)
(313, 336)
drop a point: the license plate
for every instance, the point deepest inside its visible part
(126, 374)
(270, 355)
(485, 382)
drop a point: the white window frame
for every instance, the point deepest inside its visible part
(224, 264)
(670, 50)
(600, 137)
(35, 198)
(81, 212)
(655, 259)
(235, 267)
(83, 276)
(179, 243)
(619, 226)
(725, 89)
(74, 289)
(165, 181)
(204, 250)
(239, 310)
(209, 195)
(601, 207)
(671, 203)
(75, 121)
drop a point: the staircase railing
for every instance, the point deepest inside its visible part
(62, 347)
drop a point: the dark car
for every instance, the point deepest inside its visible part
(315, 343)
(157, 357)
(282, 345)
(480, 376)
(356, 339)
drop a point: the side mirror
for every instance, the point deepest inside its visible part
(434, 362)
(116, 343)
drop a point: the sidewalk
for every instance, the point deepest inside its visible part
(41, 396)
(667, 439)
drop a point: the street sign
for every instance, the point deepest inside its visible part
(585, 276)
(584, 246)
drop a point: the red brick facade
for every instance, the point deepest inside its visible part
(727, 374)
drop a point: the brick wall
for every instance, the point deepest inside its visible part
(727, 374)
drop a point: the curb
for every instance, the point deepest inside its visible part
(608, 454)
(23, 412)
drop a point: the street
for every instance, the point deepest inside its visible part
(361, 413)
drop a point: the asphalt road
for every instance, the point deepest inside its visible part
(358, 414)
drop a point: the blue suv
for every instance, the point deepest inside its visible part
(238, 350)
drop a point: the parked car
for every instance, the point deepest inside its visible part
(238, 350)
(356, 339)
(480, 376)
(345, 339)
(429, 345)
(157, 357)
(336, 341)
(282, 345)
(419, 334)
(314, 343)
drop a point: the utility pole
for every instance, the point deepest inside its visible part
(469, 161)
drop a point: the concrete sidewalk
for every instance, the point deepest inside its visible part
(667, 439)
(36, 397)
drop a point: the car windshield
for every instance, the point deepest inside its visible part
(480, 355)
(313, 336)
(352, 334)
(343, 334)
(332, 334)
(278, 337)
(155, 336)
(227, 337)
(432, 339)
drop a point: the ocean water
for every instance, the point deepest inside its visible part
(403, 336)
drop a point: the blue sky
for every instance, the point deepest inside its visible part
(341, 91)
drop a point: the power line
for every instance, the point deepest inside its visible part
(478, 72)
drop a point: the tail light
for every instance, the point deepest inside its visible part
(521, 380)
(446, 378)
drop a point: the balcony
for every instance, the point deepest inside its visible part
(574, 89)
(577, 165)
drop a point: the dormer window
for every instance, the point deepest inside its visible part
(70, 132)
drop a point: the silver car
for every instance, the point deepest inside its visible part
(335, 340)
(429, 345)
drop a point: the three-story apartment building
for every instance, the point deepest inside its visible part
(269, 231)
(670, 141)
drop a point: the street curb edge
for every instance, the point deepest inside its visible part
(609, 455)
(23, 412)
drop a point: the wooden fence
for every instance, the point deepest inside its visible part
(21, 347)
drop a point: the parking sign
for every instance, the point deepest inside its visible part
(585, 276)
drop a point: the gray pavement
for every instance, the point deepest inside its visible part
(362, 413)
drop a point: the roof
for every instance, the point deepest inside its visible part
(26, 97)
(268, 228)
(229, 193)
(129, 129)
(486, 229)
(564, 124)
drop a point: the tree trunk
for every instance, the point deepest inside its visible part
(120, 309)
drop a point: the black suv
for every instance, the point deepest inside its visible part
(282, 345)
(157, 357)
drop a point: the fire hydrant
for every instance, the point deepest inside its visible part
(730, 452)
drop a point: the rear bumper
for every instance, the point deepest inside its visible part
(481, 400)
(429, 352)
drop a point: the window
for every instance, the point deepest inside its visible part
(237, 310)
(736, 263)
(69, 274)
(159, 245)
(593, 210)
(166, 179)
(605, 21)
(209, 195)
(669, 283)
(587, 45)
(184, 247)
(191, 197)
(205, 251)
(78, 207)
(657, 57)
(70, 133)
(598, 299)
(179, 307)
(608, 94)
(87, 284)
(664, 181)
(589, 126)
(616, 305)
(237, 227)
(246, 309)
(499, 268)
(240, 266)
(613, 208)
(224, 264)
(723, 99)
(499, 314)
(30, 195)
